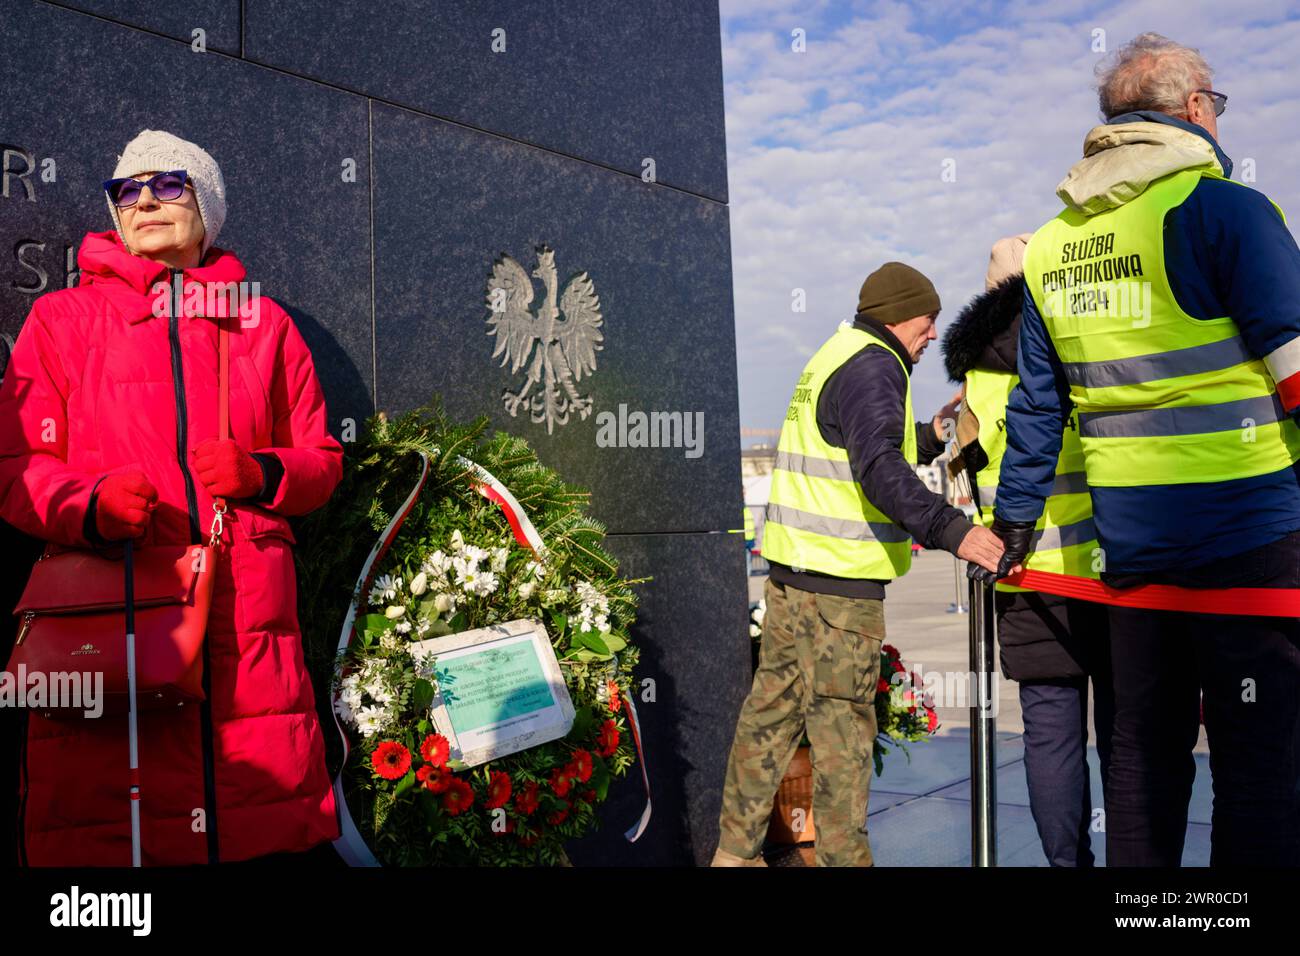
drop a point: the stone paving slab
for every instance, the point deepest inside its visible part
(924, 818)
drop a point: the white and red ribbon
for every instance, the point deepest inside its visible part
(350, 845)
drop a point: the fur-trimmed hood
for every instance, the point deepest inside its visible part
(985, 332)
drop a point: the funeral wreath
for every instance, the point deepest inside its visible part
(461, 561)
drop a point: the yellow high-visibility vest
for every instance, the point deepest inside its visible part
(1162, 397)
(818, 518)
(1065, 540)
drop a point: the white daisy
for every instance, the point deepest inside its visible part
(386, 588)
(371, 720)
(437, 564)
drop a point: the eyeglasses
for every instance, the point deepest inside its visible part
(166, 187)
(1220, 100)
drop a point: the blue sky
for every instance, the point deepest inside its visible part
(835, 155)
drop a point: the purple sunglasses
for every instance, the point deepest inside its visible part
(166, 187)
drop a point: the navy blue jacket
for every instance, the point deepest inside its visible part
(860, 409)
(1226, 253)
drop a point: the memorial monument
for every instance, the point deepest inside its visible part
(384, 177)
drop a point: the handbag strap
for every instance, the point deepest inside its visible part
(223, 379)
(223, 418)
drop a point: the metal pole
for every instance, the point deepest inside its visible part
(132, 736)
(956, 606)
(983, 723)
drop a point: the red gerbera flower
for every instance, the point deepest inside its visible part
(458, 798)
(391, 760)
(932, 721)
(560, 781)
(498, 793)
(436, 779)
(607, 742)
(559, 816)
(589, 796)
(882, 686)
(889, 649)
(581, 765)
(526, 799)
(615, 696)
(435, 750)
(898, 667)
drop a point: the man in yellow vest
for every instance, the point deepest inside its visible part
(749, 538)
(844, 505)
(1163, 306)
(1051, 646)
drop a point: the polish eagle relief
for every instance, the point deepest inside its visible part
(557, 344)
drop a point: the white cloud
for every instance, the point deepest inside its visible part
(835, 154)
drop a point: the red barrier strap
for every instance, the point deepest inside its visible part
(1254, 602)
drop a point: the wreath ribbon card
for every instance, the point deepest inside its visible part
(500, 690)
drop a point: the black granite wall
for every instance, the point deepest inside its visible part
(379, 157)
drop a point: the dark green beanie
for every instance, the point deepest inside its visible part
(895, 293)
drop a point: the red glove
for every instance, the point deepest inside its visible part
(123, 504)
(226, 470)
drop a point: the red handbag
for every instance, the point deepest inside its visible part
(74, 621)
(73, 612)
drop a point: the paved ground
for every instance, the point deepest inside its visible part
(920, 811)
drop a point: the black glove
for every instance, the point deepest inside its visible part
(1016, 536)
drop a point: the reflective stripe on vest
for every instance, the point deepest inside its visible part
(812, 465)
(1210, 357)
(1182, 419)
(818, 518)
(836, 527)
(1074, 483)
(1162, 397)
(1065, 540)
(1063, 536)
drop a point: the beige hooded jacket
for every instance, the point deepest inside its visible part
(1120, 161)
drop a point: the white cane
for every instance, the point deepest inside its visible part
(132, 738)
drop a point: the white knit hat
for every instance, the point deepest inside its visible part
(156, 151)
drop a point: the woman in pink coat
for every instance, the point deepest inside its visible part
(108, 430)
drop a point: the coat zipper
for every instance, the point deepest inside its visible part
(182, 416)
(182, 426)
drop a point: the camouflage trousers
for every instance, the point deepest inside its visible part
(819, 662)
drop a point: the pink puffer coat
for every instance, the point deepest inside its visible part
(90, 391)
